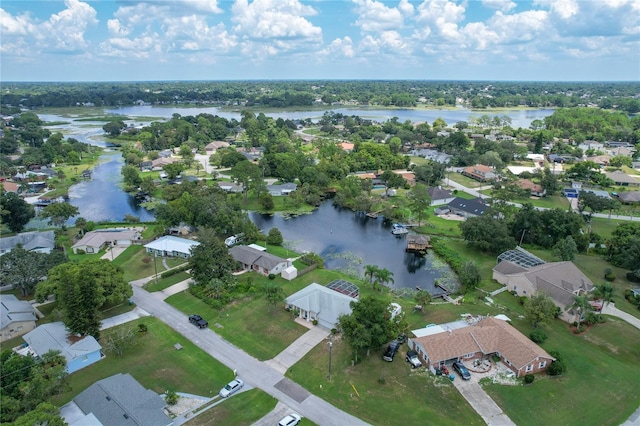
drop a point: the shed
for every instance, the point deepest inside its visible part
(289, 273)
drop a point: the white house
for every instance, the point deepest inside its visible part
(17, 317)
(171, 246)
(316, 302)
(258, 260)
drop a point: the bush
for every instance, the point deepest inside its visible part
(142, 328)
(272, 276)
(609, 275)
(557, 368)
(529, 378)
(634, 276)
(538, 336)
(171, 397)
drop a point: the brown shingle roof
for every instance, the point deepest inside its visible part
(488, 336)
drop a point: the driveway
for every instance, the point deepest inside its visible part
(490, 412)
(252, 371)
(295, 351)
(610, 309)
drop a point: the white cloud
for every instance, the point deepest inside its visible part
(374, 16)
(439, 18)
(501, 5)
(340, 46)
(18, 25)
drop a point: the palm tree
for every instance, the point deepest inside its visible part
(604, 291)
(384, 276)
(422, 297)
(371, 271)
(582, 305)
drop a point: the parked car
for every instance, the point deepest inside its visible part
(231, 388)
(198, 321)
(290, 420)
(413, 359)
(391, 351)
(462, 370)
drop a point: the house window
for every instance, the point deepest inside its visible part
(85, 358)
(470, 355)
(543, 364)
(529, 368)
(507, 361)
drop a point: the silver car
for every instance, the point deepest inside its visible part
(291, 420)
(231, 388)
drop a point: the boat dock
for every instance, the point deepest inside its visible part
(418, 243)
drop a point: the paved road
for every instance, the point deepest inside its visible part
(254, 372)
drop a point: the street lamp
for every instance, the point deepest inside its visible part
(330, 347)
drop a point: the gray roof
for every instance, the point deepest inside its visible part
(120, 400)
(476, 206)
(250, 256)
(521, 257)
(438, 193)
(14, 310)
(285, 186)
(327, 303)
(55, 337)
(29, 240)
(629, 197)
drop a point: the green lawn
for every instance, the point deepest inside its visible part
(246, 324)
(156, 364)
(464, 180)
(379, 392)
(244, 409)
(166, 282)
(599, 388)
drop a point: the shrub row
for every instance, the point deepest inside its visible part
(449, 255)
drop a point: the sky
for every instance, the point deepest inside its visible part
(150, 40)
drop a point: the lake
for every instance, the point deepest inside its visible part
(519, 117)
(348, 241)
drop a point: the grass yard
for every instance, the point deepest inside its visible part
(379, 392)
(599, 388)
(244, 409)
(464, 180)
(156, 364)
(166, 282)
(246, 323)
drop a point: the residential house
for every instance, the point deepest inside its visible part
(600, 160)
(253, 259)
(621, 178)
(590, 144)
(159, 163)
(439, 195)
(119, 400)
(212, 147)
(166, 153)
(171, 246)
(79, 352)
(433, 155)
(17, 317)
(467, 208)
(535, 189)
(230, 187)
(146, 166)
(480, 172)
(631, 197)
(94, 241)
(282, 190)
(10, 187)
(480, 340)
(319, 303)
(39, 242)
(346, 146)
(561, 281)
(408, 176)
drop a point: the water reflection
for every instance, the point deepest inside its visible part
(348, 241)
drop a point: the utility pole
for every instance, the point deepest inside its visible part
(330, 347)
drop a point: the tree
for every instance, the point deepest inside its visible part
(383, 276)
(131, 177)
(487, 233)
(469, 275)
(422, 298)
(605, 291)
(81, 289)
(565, 249)
(391, 180)
(59, 213)
(539, 309)
(114, 128)
(275, 237)
(25, 269)
(368, 325)
(273, 292)
(173, 170)
(210, 260)
(549, 181)
(581, 306)
(419, 201)
(624, 245)
(594, 202)
(371, 271)
(14, 211)
(248, 175)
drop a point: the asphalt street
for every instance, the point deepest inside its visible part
(254, 372)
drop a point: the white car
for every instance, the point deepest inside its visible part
(291, 420)
(231, 388)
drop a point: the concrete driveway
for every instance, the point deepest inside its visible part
(295, 351)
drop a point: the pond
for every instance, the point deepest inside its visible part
(348, 241)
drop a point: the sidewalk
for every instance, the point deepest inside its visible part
(133, 315)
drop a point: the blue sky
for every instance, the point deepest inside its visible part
(134, 40)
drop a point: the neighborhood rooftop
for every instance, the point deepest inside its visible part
(520, 257)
